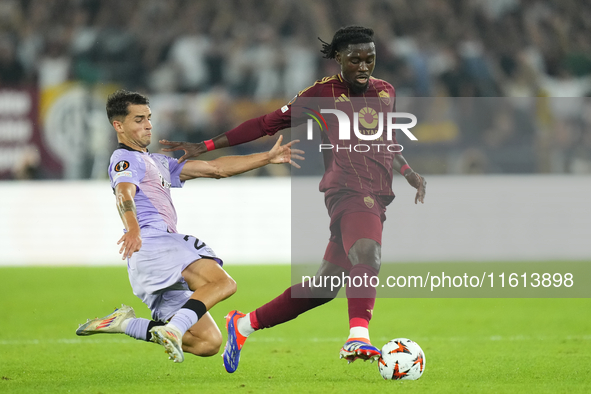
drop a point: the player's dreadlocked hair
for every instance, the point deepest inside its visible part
(345, 36)
(117, 103)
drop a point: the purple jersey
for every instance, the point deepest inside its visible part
(153, 175)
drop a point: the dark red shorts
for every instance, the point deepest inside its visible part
(352, 216)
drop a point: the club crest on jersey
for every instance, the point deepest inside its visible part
(121, 166)
(369, 202)
(384, 96)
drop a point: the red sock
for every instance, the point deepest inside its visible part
(361, 299)
(289, 305)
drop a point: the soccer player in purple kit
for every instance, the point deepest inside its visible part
(177, 276)
(357, 188)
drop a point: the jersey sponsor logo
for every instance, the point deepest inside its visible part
(384, 96)
(165, 184)
(342, 99)
(369, 202)
(284, 109)
(122, 173)
(368, 117)
(121, 166)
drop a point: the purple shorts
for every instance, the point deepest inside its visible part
(155, 272)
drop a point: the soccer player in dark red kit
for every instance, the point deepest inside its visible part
(357, 188)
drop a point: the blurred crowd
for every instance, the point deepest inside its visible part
(268, 48)
(252, 55)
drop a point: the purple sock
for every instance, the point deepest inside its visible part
(184, 319)
(138, 328)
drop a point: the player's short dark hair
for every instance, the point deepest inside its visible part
(344, 37)
(118, 101)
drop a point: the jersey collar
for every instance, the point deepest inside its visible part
(123, 146)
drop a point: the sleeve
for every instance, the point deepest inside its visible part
(305, 98)
(271, 123)
(175, 169)
(258, 127)
(126, 167)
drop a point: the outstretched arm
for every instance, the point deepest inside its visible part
(250, 130)
(131, 240)
(227, 166)
(414, 179)
(195, 149)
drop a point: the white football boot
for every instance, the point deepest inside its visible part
(110, 324)
(171, 339)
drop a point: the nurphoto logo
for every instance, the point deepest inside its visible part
(372, 124)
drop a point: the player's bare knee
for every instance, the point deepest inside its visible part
(204, 349)
(212, 345)
(190, 344)
(366, 251)
(210, 350)
(207, 344)
(215, 345)
(229, 286)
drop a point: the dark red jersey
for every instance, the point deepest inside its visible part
(351, 164)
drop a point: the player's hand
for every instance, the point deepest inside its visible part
(192, 149)
(284, 153)
(419, 183)
(131, 242)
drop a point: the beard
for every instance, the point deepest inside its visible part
(359, 89)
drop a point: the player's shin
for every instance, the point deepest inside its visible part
(287, 306)
(361, 297)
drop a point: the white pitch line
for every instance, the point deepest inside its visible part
(62, 341)
(124, 340)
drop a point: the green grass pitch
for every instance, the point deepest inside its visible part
(471, 345)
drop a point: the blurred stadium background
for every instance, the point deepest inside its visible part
(504, 141)
(209, 65)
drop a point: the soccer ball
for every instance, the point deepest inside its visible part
(402, 359)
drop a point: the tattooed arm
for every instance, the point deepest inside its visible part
(131, 241)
